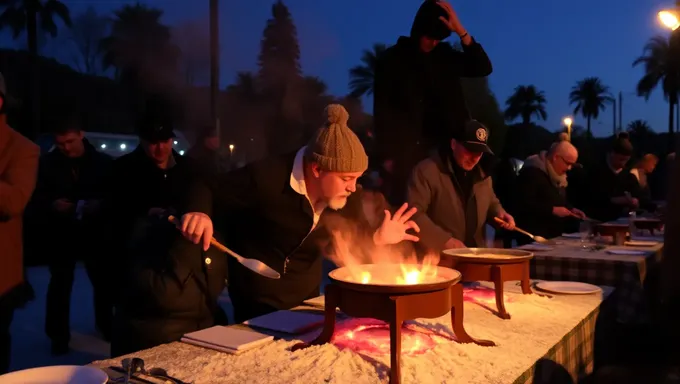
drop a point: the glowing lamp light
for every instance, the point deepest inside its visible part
(123, 146)
(181, 153)
(669, 19)
(175, 142)
(567, 121)
(231, 147)
(103, 146)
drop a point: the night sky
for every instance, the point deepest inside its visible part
(550, 44)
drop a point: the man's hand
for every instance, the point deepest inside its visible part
(578, 213)
(509, 221)
(393, 228)
(197, 227)
(451, 21)
(561, 212)
(63, 205)
(454, 243)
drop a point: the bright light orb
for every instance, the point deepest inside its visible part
(669, 19)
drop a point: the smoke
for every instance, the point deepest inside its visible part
(351, 243)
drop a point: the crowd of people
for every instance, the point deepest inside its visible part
(436, 193)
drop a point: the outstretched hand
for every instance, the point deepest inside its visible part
(393, 228)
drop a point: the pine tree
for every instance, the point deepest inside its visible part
(279, 58)
(280, 80)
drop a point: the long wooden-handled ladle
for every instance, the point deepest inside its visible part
(254, 265)
(538, 239)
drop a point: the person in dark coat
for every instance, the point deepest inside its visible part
(167, 291)
(540, 203)
(18, 172)
(417, 85)
(206, 155)
(68, 198)
(611, 191)
(275, 210)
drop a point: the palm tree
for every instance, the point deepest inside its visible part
(30, 15)
(139, 47)
(639, 128)
(525, 102)
(361, 77)
(661, 58)
(590, 97)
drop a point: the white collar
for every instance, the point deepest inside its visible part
(297, 176)
(297, 180)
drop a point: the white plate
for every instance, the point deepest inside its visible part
(568, 287)
(319, 301)
(537, 247)
(61, 374)
(576, 235)
(626, 252)
(291, 322)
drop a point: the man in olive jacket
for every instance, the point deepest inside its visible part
(453, 195)
(18, 173)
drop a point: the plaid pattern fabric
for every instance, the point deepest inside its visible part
(627, 275)
(574, 353)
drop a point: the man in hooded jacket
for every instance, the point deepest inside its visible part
(417, 84)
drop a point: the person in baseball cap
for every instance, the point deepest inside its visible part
(474, 137)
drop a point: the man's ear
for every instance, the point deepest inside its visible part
(316, 170)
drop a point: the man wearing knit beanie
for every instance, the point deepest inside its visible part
(273, 211)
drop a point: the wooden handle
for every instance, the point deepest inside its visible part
(520, 230)
(213, 241)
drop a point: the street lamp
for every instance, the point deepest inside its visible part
(567, 122)
(669, 19)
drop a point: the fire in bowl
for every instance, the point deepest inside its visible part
(496, 265)
(395, 278)
(394, 293)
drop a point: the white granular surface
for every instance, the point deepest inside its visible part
(537, 324)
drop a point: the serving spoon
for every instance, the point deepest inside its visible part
(536, 238)
(254, 265)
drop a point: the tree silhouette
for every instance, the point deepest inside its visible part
(88, 29)
(525, 102)
(140, 49)
(361, 77)
(280, 80)
(484, 107)
(639, 128)
(590, 97)
(279, 59)
(29, 15)
(193, 40)
(661, 61)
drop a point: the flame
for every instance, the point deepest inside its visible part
(347, 250)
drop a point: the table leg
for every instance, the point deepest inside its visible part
(332, 300)
(457, 319)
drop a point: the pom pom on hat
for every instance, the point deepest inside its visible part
(336, 114)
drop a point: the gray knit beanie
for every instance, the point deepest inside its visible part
(334, 146)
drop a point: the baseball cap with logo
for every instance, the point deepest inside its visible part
(155, 129)
(474, 137)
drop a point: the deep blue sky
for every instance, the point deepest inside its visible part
(550, 44)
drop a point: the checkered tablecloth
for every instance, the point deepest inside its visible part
(573, 355)
(568, 261)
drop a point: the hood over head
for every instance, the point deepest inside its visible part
(427, 22)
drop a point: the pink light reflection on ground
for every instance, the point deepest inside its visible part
(370, 336)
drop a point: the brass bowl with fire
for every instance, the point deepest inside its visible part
(394, 293)
(496, 265)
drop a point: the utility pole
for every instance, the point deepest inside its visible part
(614, 117)
(214, 66)
(620, 111)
